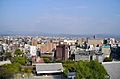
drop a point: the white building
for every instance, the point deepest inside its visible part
(33, 50)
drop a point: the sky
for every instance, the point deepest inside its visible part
(60, 16)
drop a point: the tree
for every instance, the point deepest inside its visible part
(20, 60)
(28, 71)
(46, 60)
(7, 71)
(86, 69)
(18, 52)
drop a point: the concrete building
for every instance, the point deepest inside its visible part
(95, 41)
(106, 50)
(33, 50)
(113, 69)
(82, 56)
(49, 69)
(88, 55)
(47, 48)
(62, 52)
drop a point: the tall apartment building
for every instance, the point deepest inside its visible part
(62, 52)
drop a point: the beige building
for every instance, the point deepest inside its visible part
(95, 41)
(47, 48)
(34, 42)
(106, 51)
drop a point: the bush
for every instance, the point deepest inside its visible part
(46, 60)
(107, 59)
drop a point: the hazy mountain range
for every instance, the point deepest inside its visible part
(60, 35)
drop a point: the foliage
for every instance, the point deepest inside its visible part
(18, 52)
(46, 60)
(65, 72)
(20, 60)
(9, 70)
(107, 59)
(85, 69)
(28, 70)
(68, 66)
(58, 61)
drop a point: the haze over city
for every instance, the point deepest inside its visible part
(59, 39)
(60, 16)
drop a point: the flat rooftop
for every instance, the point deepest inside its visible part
(49, 68)
(113, 69)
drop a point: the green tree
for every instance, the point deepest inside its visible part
(83, 70)
(20, 60)
(86, 69)
(18, 52)
(46, 60)
(7, 71)
(28, 71)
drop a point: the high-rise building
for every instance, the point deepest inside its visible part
(62, 52)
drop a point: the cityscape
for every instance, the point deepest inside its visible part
(65, 39)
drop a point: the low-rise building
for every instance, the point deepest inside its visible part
(113, 69)
(106, 50)
(49, 69)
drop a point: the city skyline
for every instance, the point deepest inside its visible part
(64, 16)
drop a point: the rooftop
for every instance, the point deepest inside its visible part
(113, 69)
(49, 68)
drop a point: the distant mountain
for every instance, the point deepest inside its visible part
(108, 36)
(10, 33)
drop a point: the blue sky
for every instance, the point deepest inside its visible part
(60, 16)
